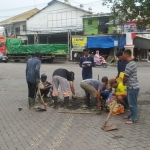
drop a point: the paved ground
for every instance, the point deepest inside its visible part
(31, 130)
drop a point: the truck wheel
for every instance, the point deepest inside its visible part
(16, 60)
(50, 60)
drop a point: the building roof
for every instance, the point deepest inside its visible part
(113, 22)
(97, 15)
(21, 17)
(68, 4)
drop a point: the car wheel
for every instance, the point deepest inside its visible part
(6, 61)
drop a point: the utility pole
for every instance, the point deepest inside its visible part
(69, 45)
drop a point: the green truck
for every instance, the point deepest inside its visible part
(16, 51)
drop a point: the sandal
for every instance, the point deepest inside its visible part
(130, 122)
(126, 117)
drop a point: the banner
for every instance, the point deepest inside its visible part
(79, 43)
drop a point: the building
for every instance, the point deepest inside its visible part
(95, 24)
(52, 23)
(16, 26)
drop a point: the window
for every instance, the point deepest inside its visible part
(17, 30)
(90, 22)
(24, 27)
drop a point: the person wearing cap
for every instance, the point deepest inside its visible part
(106, 88)
(120, 92)
(86, 63)
(60, 78)
(94, 88)
(33, 77)
(121, 64)
(45, 85)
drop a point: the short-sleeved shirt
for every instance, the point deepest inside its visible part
(95, 83)
(63, 73)
(131, 73)
(44, 84)
(121, 89)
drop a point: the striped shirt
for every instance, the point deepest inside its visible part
(131, 73)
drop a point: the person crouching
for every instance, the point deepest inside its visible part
(45, 86)
(93, 87)
(120, 92)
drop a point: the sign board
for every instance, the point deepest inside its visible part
(79, 43)
(115, 43)
(130, 27)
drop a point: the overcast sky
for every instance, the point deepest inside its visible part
(10, 8)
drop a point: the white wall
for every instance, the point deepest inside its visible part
(57, 17)
(11, 27)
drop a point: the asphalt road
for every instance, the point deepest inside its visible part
(17, 73)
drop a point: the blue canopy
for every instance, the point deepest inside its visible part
(105, 42)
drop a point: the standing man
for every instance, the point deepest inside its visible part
(131, 81)
(33, 77)
(86, 63)
(61, 77)
(121, 65)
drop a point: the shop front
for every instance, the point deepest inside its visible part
(78, 44)
(142, 48)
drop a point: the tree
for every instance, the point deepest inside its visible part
(130, 10)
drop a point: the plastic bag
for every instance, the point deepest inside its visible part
(109, 99)
(118, 109)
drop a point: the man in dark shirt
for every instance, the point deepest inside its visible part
(121, 65)
(86, 63)
(61, 77)
(33, 77)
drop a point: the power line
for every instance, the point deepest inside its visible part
(14, 9)
(26, 6)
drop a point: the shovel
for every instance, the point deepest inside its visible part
(111, 127)
(39, 108)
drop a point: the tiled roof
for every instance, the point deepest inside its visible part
(53, 1)
(22, 16)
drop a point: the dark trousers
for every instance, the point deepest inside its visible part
(86, 75)
(31, 89)
(45, 92)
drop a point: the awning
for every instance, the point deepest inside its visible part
(142, 43)
(105, 42)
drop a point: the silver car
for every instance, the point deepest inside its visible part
(3, 58)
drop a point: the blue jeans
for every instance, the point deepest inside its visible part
(86, 75)
(132, 95)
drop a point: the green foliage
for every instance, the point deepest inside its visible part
(130, 10)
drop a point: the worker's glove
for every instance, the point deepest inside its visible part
(74, 97)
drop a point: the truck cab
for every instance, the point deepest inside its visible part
(2, 40)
